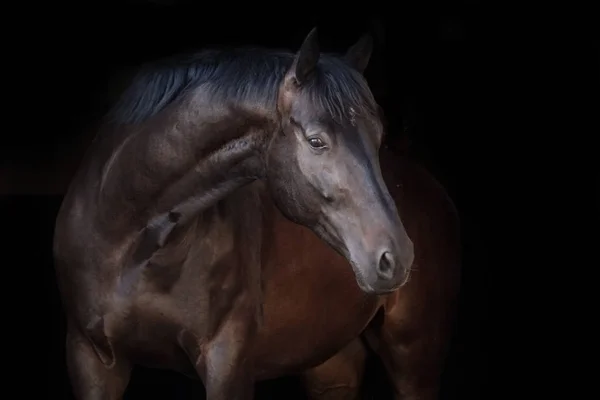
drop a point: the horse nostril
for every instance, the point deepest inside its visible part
(386, 265)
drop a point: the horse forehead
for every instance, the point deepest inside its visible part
(360, 136)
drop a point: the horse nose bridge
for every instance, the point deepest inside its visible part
(382, 199)
(371, 210)
(379, 230)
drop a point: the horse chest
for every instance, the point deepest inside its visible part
(302, 335)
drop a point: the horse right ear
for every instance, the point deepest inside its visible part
(359, 54)
(306, 59)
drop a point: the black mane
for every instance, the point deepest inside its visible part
(242, 75)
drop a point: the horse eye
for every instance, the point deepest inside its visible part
(316, 142)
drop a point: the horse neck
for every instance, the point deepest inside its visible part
(184, 162)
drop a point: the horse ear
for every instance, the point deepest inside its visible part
(359, 54)
(306, 58)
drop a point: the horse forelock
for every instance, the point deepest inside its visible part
(340, 91)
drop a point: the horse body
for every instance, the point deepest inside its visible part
(158, 244)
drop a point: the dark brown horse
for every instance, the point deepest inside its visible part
(158, 243)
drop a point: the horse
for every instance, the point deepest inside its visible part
(158, 240)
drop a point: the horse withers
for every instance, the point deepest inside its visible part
(158, 241)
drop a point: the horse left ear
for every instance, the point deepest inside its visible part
(306, 58)
(359, 54)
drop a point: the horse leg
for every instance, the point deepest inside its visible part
(340, 377)
(413, 362)
(90, 378)
(228, 373)
(224, 363)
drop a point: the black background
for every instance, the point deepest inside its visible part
(434, 70)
